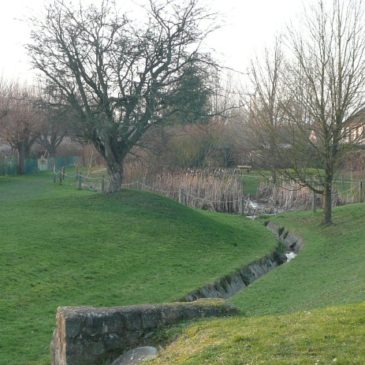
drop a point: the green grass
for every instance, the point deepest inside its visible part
(61, 246)
(328, 336)
(251, 181)
(330, 269)
(292, 314)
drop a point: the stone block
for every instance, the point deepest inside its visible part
(91, 336)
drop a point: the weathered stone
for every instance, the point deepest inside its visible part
(112, 341)
(96, 348)
(73, 327)
(273, 227)
(132, 318)
(151, 319)
(137, 356)
(99, 339)
(292, 242)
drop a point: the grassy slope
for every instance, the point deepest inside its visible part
(329, 271)
(60, 246)
(321, 337)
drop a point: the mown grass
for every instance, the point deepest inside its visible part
(284, 319)
(322, 337)
(330, 269)
(60, 246)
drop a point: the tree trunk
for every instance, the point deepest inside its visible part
(327, 203)
(274, 176)
(115, 172)
(21, 159)
(51, 151)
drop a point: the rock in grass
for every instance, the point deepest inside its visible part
(136, 356)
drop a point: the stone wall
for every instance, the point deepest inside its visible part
(230, 284)
(96, 336)
(290, 241)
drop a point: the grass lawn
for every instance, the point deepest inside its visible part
(320, 337)
(292, 314)
(251, 183)
(330, 269)
(60, 246)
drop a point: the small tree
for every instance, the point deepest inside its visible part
(20, 123)
(263, 105)
(322, 89)
(118, 76)
(56, 121)
(329, 73)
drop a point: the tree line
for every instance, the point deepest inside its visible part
(112, 80)
(28, 115)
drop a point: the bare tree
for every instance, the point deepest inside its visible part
(329, 68)
(263, 105)
(52, 133)
(57, 120)
(19, 125)
(322, 89)
(118, 76)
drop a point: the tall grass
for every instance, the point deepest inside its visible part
(216, 190)
(225, 190)
(288, 195)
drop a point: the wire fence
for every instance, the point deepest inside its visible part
(9, 165)
(222, 194)
(81, 181)
(219, 196)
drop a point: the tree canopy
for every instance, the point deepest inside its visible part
(121, 76)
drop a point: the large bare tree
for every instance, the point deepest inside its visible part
(117, 74)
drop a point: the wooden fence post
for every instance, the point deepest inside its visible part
(102, 184)
(60, 177)
(314, 208)
(361, 192)
(80, 182)
(54, 177)
(242, 206)
(182, 196)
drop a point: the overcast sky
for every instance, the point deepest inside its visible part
(247, 27)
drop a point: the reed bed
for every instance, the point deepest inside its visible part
(292, 196)
(216, 190)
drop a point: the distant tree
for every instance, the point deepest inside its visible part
(52, 133)
(20, 123)
(57, 120)
(119, 76)
(191, 97)
(263, 105)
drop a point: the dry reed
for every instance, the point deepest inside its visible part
(215, 190)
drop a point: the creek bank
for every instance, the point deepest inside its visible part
(225, 287)
(91, 336)
(291, 242)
